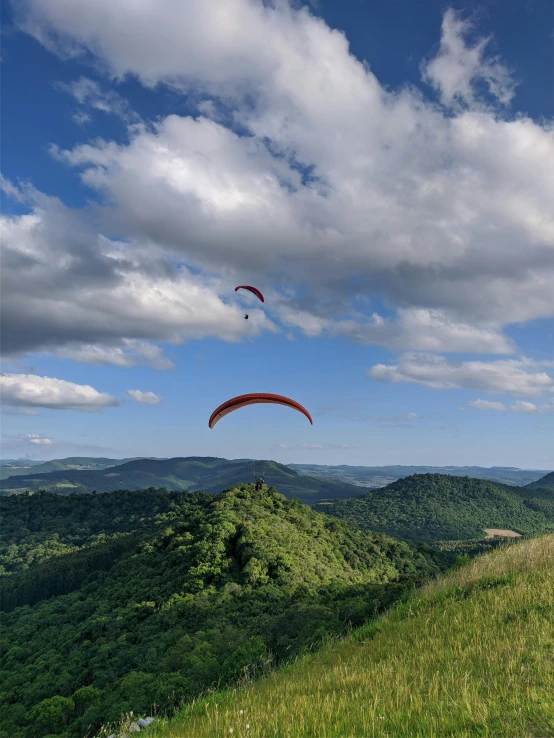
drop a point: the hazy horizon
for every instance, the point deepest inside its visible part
(286, 463)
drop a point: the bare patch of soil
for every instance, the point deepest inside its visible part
(492, 532)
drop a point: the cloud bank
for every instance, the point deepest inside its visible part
(511, 376)
(302, 172)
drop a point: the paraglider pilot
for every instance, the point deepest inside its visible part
(259, 484)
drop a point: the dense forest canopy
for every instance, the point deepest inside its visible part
(36, 527)
(150, 606)
(435, 507)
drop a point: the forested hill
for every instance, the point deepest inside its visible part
(204, 587)
(433, 507)
(546, 482)
(209, 474)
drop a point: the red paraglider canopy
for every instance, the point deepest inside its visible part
(252, 289)
(240, 401)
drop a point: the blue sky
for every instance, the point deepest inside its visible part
(383, 171)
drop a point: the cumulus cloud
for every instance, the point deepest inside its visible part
(31, 390)
(458, 67)
(512, 376)
(340, 189)
(417, 329)
(66, 288)
(147, 398)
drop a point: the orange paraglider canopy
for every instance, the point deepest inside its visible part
(252, 289)
(235, 403)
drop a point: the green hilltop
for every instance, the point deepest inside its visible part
(209, 474)
(140, 598)
(436, 507)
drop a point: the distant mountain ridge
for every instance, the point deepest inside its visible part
(379, 476)
(309, 482)
(209, 474)
(18, 467)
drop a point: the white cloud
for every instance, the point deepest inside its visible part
(420, 329)
(341, 187)
(486, 405)
(34, 438)
(89, 93)
(520, 406)
(40, 440)
(67, 289)
(512, 376)
(148, 398)
(130, 353)
(9, 189)
(36, 445)
(31, 390)
(458, 66)
(524, 407)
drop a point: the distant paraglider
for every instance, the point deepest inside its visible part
(251, 289)
(236, 403)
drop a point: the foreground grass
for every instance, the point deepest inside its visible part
(472, 654)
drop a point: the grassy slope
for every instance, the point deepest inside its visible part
(433, 507)
(469, 655)
(209, 474)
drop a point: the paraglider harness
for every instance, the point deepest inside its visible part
(259, 484)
